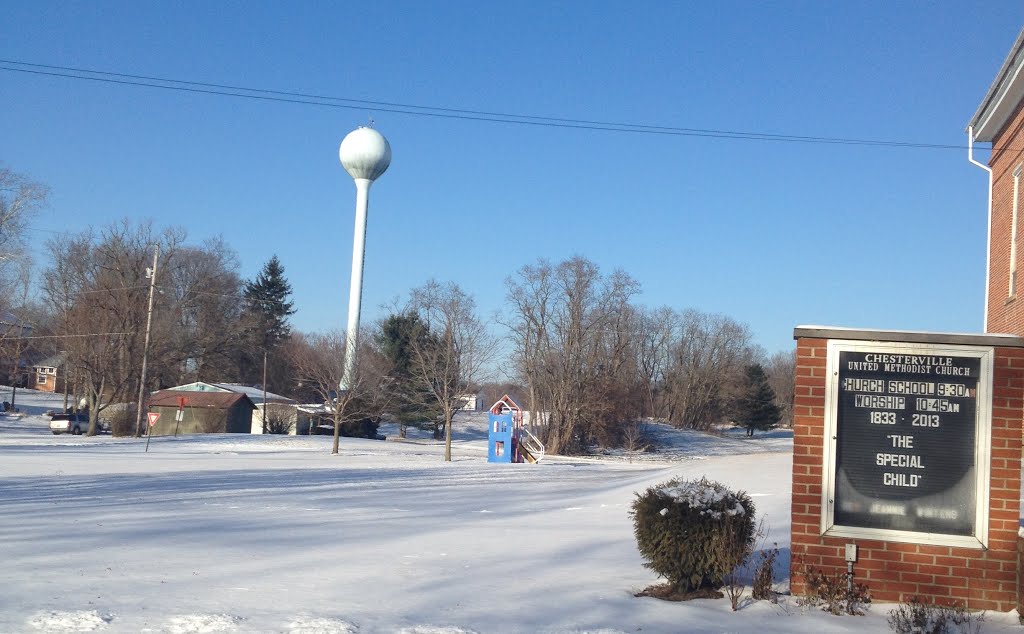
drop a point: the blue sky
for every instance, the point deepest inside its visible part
(771, 234)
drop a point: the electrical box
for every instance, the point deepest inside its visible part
(851, 553)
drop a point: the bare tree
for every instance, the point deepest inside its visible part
(531, 293)
(97, 290)
(105, 310)
(781, 369)
(655, 329)
(634, 440)
(456, 352)
(576, 348)
(319, 362)
(705, 369)
(15, 327)
(20, 198)
(202, 332)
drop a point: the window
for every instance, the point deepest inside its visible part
(40, 378)
(1013, 232)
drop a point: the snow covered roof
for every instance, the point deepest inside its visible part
(55, 361)
(9, 322)
(255, 394)
(196, 398)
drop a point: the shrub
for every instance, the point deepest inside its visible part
(735, 580)
(362, 428)
(760, 567)
(121, 418)
(279, 424)
(693, 532)
(920, 617)
(835, 594)
(764, 574)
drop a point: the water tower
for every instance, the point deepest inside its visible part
(365, 154)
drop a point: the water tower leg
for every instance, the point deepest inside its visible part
(355, 293)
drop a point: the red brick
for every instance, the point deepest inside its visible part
(928, 549)
(917, 558)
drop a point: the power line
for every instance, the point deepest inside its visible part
(91, 334)
(112, 289)
(190, 291)
(186, 291)
(53, 231)
(263, 94)
(503, 115)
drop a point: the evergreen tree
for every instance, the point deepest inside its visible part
(268, 304)
(756, 408)
(267, 308)
(411, 399)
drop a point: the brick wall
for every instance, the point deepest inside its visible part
(1006, 314)
(979, 579)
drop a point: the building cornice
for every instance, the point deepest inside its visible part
(1003, 96)
(908, 336)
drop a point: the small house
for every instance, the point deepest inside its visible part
(468, 402)
(281, 410)
(184, 412)
(49, 373)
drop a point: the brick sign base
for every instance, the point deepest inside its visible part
(982, 577)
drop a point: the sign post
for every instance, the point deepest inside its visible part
(153, 417)
(180, 414)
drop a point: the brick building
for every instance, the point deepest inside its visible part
(907, 446)
(1000, 121)
(934, 517)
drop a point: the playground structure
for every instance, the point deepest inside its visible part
(508, 439)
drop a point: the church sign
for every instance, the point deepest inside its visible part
(907, 442)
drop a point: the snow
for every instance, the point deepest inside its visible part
(702, 494)
(244, 533)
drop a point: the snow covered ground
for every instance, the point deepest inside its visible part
(241, 533)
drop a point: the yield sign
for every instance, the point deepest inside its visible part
(153, 417)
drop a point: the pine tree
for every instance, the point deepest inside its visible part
(266, 328)
(268, 304)
(412, 402)
(756, 408)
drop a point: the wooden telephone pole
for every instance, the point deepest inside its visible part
(151, 274)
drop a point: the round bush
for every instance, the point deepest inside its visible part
(693, 532)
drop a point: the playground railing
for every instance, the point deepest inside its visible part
(532, 444)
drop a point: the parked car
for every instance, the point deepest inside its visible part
(69, 423)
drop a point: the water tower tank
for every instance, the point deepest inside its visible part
(365, 153)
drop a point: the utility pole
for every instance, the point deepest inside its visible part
(264, 417)
(14, 371)
(19, 347)
(151, 274)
